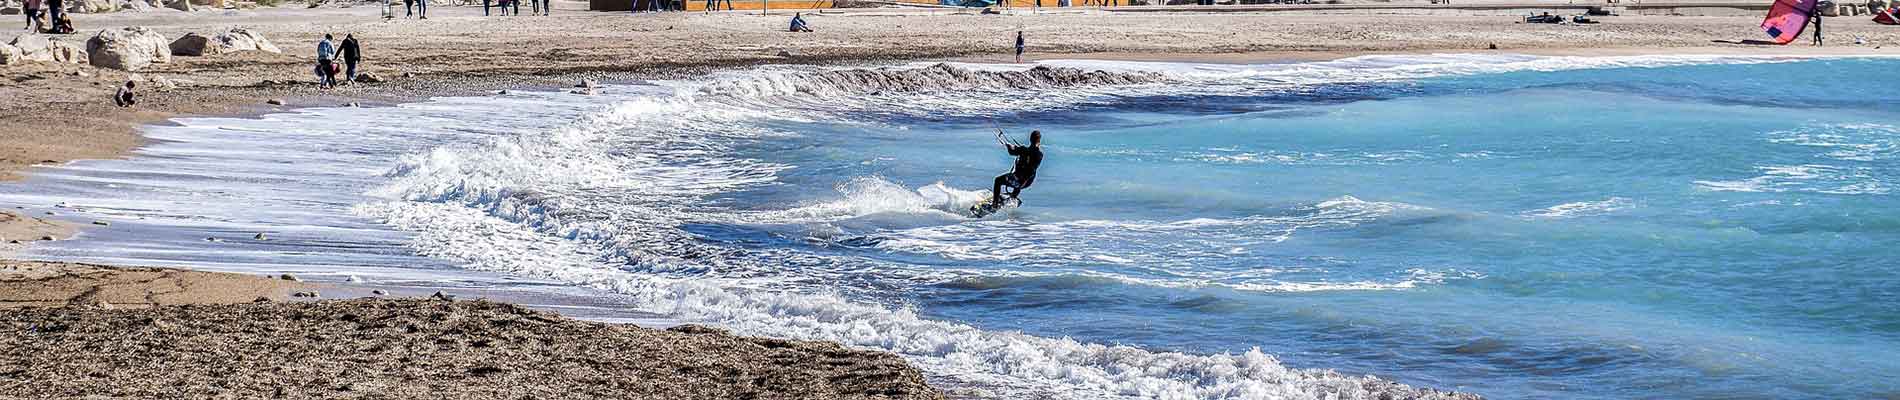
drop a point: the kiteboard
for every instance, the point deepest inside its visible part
(987, 207)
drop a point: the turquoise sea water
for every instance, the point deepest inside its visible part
(1516, 227)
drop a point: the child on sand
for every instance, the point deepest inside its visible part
(124, 98)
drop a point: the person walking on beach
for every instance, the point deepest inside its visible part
(32, 10)
(352, 54)
(1019, 47)
(326, 69)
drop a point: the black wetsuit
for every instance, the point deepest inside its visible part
(1027, 159)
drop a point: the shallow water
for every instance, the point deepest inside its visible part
(1513, 226)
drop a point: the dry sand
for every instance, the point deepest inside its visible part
(59, 284)
(405, 349)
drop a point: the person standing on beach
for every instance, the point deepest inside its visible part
(422, 9)
(326, 69)
(32, 10)
(352, 53)
(54, 9)
(547, 8)
(408, 8)
(1019, 47)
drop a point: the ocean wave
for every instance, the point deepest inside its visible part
(1809, 178)
(1845, 142)
(1018, 365)
(1583, 208)
(866, 196)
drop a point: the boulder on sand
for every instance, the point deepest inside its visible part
(43, 48)
(11, 55)
(180, 5)
(91, 6)
(32, 47)
(130, 48)
(229, 41)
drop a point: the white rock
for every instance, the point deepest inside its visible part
(33, 47)
(66, 52)
(130, 48)
(91, 6)
(11, 55)
(228, 41)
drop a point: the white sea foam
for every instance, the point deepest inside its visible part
(1583, 208)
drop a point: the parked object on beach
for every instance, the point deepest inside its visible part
(1546, 18)
(1890, 16)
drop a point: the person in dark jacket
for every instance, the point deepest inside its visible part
(352, 54)
(1028, 158)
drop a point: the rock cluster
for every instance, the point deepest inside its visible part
(129, 48)
(41, 48)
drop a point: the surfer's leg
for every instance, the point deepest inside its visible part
(996, 189)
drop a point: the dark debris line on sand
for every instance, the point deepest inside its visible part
(417, 349)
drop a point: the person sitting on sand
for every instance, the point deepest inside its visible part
(125, 98)
(63, 25)
(798, 23)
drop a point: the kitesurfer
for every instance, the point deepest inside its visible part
(1028, 158)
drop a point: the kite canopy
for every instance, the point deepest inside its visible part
(1787, 19)
(1889, 16)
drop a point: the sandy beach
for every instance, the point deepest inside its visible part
(413, 347)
